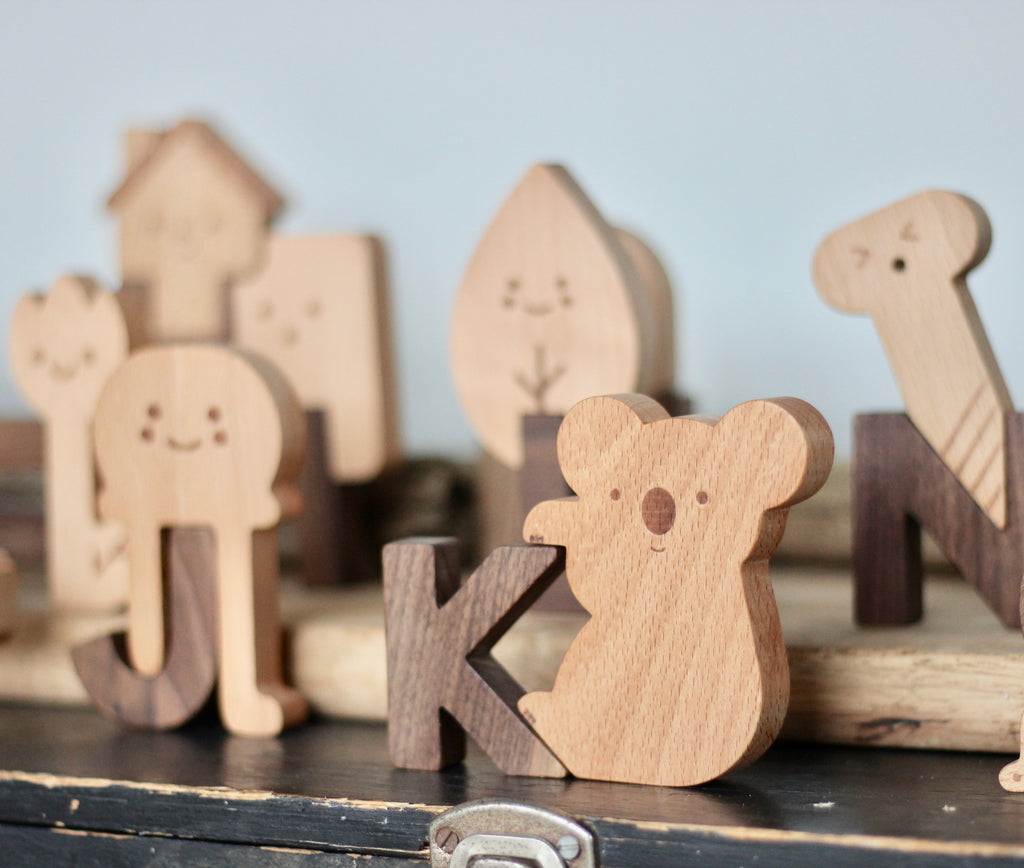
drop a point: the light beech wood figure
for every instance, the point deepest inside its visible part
(201, 435)
(906, 266)
(318, 310)
(680, 674)
(551, 310)
(193, 219)
(63, 347)
(658, 288)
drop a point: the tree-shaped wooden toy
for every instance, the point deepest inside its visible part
(954, 463)
(680, 674)
(555, 306)
(63, 347)
(193, 219)
(202, 436)
(318, 310)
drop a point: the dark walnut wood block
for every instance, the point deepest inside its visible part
(79, 787)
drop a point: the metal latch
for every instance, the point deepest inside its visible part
(489, 834)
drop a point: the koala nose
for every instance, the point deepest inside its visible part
(658, 510)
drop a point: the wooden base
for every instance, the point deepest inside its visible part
(953, 681)
(901, 485)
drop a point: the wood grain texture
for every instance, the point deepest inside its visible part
(63, 347)
(551, 310)
(193, 218)
(680, 674)
(318, 309)
(906, 266)
(901, 486)
(442, 680)
(183, 686)
(200, 435)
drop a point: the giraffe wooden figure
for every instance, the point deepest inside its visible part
(202, 436)
(64, 345)
(680, 674)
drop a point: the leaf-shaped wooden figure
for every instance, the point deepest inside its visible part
(658, 289)
(63, 347)
(680, 674)
(193, 219)
(318, 310)
(550, 311)
(906, 266)
(196, 435)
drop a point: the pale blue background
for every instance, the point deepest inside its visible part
(732, 135)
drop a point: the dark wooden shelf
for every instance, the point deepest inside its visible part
(75, 784)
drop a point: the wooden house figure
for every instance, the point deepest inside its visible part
(194, 217)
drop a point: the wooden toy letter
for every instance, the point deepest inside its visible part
(64, 345)
(197, 435)
(680, 675)
(439, 639)
(551, 310)
(318, 310)
(907, 266)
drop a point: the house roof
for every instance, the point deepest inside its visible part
(270, 200)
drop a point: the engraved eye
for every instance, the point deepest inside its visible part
(89, 355)
(702, 497)
(220, 438)
(38, 356)
(147, 434)
(562, 282)
(615, 494)
(314, 308)
(153, 411)
(265, 310)
(899, 265)
(213, 414)
(513, 284)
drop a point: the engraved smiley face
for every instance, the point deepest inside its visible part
(185, 435)
(65, 344)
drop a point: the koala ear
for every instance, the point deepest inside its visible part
(591, 429)
(783, 447)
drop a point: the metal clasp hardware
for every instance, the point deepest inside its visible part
(490, 834)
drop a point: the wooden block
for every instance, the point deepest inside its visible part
(63, 347)
(680, 674)
(442, 680)
(200, 435)
(186, 681)
(193, 219)
(551, 310)
(901, 485)
(318, 309)
(906, 266)
(21, 444)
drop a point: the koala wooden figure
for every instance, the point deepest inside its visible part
(680, 674)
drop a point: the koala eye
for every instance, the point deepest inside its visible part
(702, 497)
(899, 264)
(153, 411)
(615, 494)
(147, 434)
(213, 414)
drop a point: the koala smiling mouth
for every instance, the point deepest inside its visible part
(189, 446)
(659, 551)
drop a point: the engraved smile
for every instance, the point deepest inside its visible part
(189, 446)
(537, 309)
(62, 373)
(653, 549)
